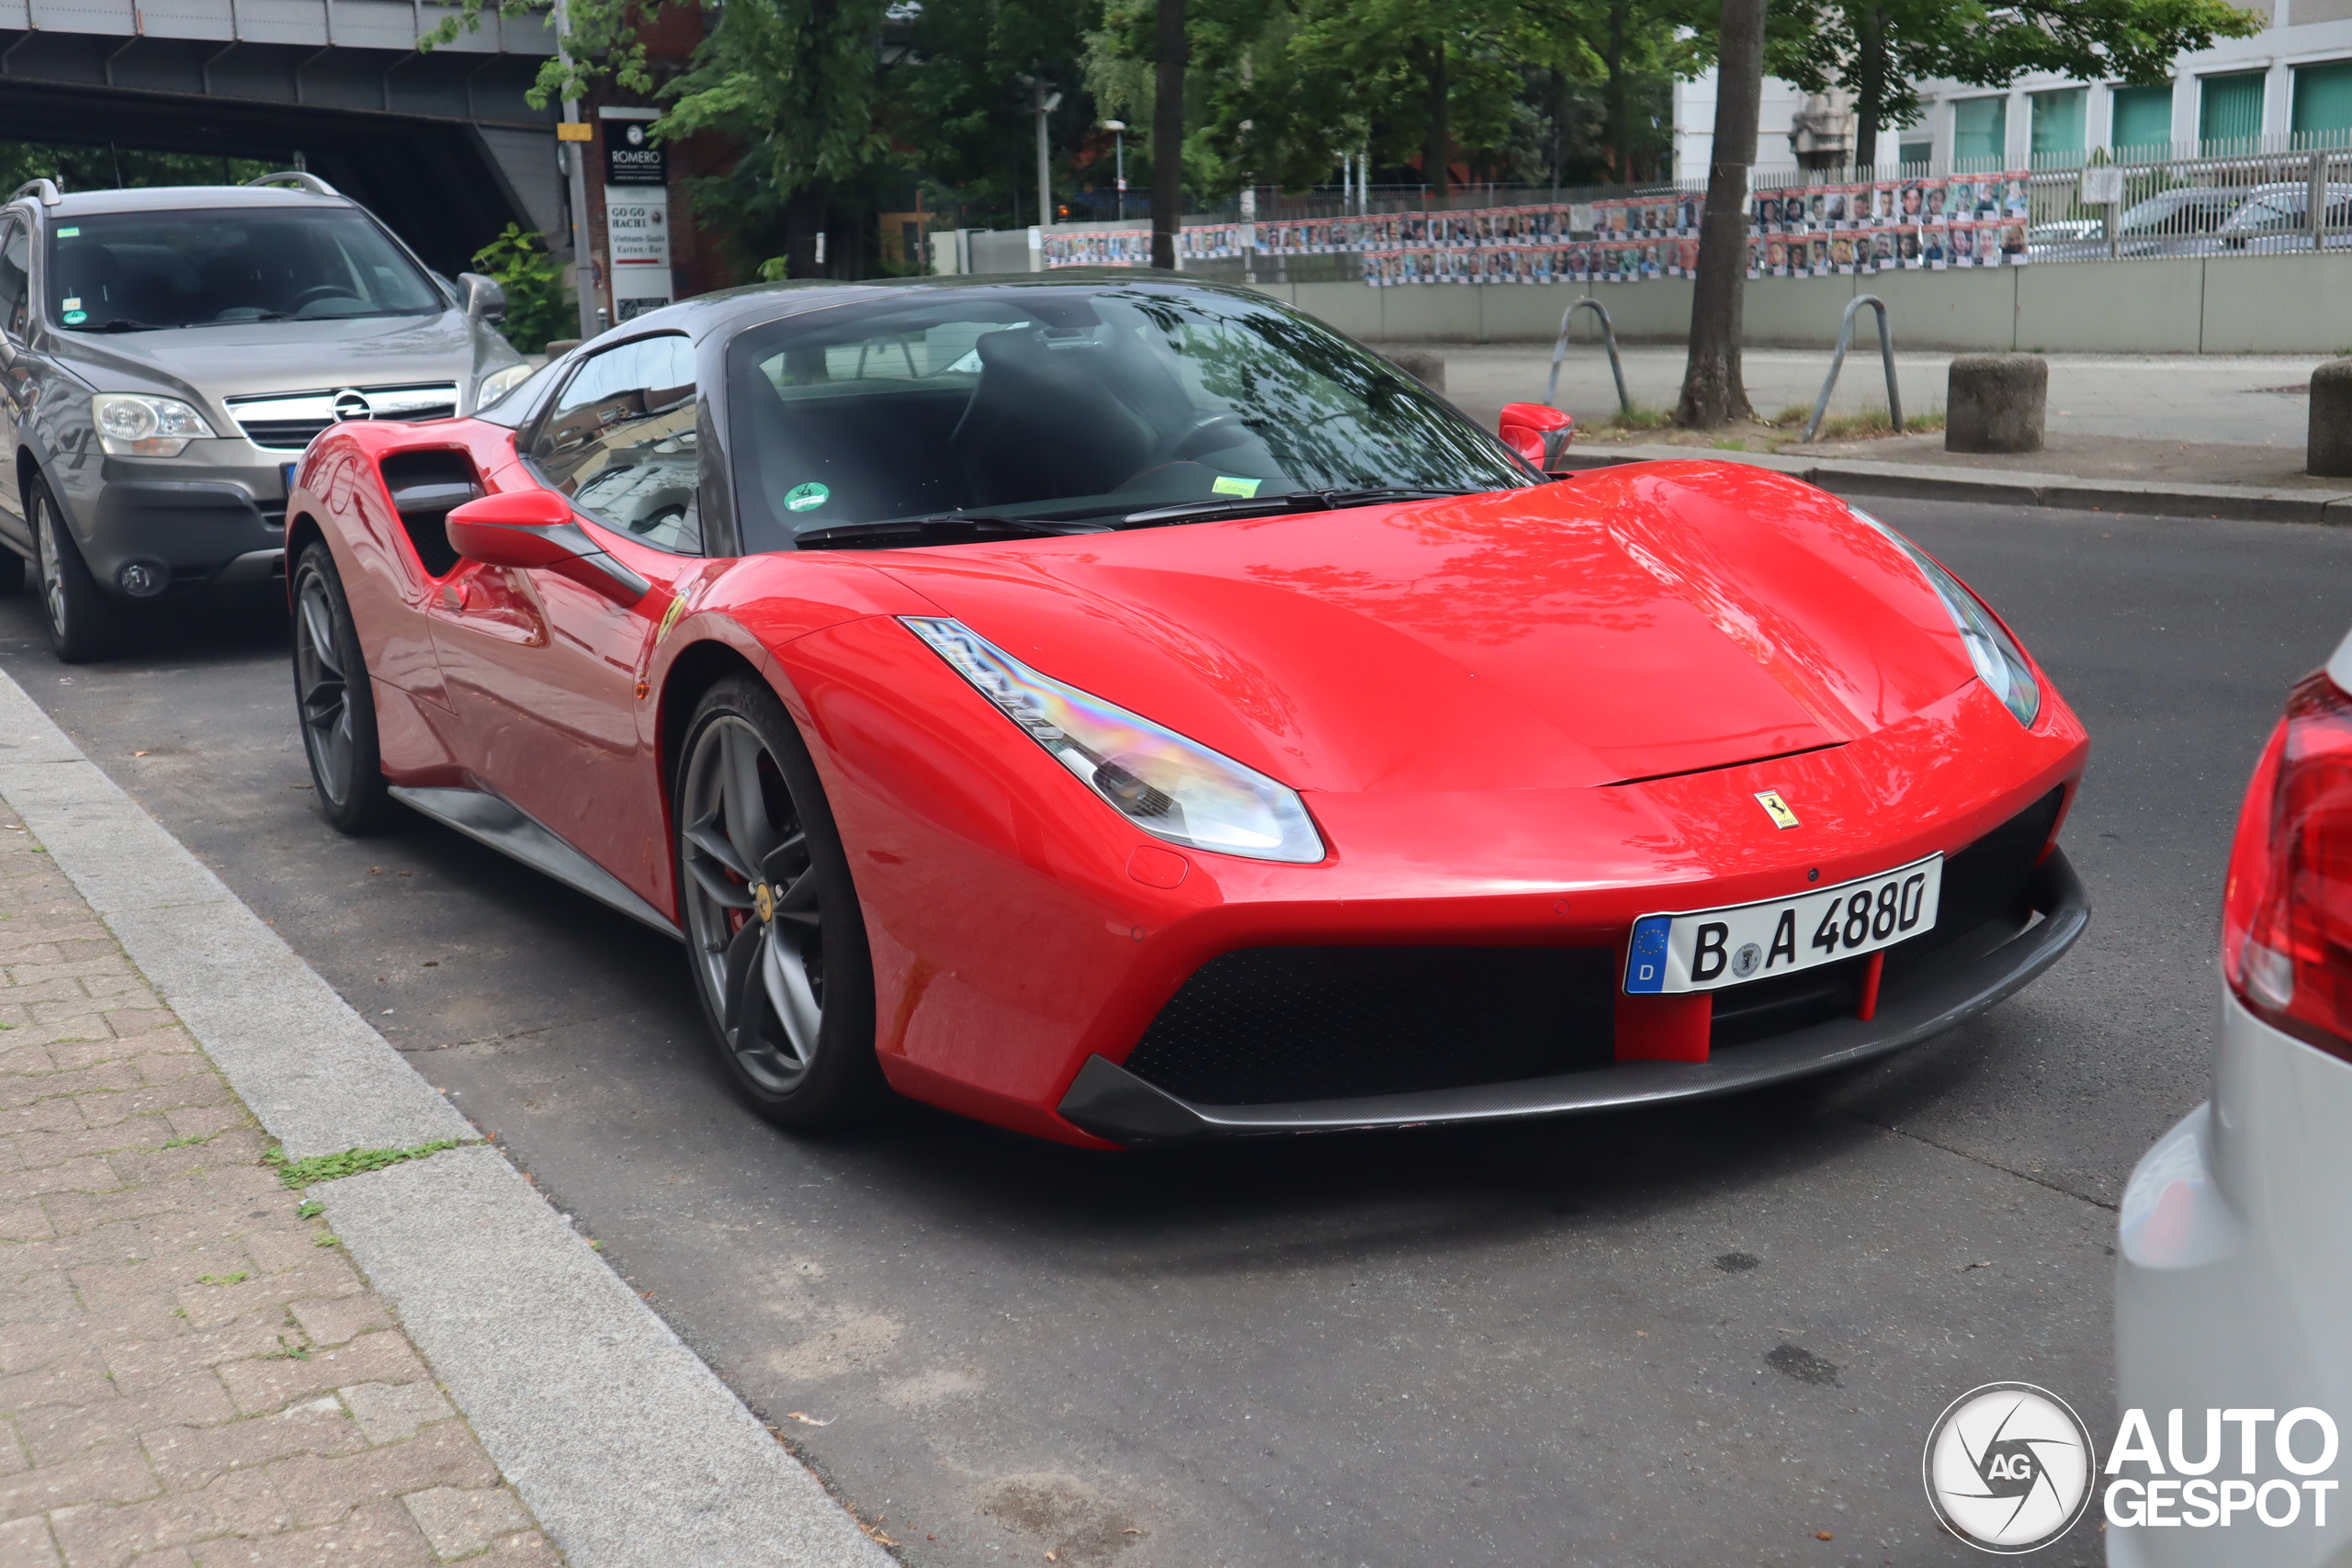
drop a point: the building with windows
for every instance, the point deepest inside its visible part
(2289, 85)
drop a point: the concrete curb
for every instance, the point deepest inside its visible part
(626, 1446)
(1918, 481)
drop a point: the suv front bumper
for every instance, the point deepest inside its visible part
(212, 518)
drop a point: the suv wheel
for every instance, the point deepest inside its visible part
(82, 623)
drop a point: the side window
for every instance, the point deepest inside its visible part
(16, 278)
(619, 440)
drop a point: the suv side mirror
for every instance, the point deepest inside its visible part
(534, 529)
(485, 297)
(1537, 432)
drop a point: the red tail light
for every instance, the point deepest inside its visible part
(2287, 912)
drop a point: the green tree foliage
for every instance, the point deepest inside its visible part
(1876, 49)
(538, 311)
(109, 168)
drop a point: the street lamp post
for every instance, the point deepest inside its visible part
(1118, 129)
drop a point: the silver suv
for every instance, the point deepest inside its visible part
(165, 355)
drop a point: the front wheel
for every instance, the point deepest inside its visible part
(82, 623)
(336, 706)
(774, 929)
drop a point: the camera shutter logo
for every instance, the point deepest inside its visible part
(2008, 1468)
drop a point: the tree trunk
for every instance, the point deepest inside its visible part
(804, 219)
(1168, 137)
(1870, 79)
(1618, 110)
(1439, 149)
(1713, 392)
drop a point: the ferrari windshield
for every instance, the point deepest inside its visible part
(1073, 406)
(130, 271)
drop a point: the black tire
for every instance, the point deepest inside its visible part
(774, 932)
(333, 703)
(84, 623)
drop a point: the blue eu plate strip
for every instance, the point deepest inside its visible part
(286, 471)
(1646, 963)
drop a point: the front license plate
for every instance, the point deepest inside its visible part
(1709, 949)
(286, 471)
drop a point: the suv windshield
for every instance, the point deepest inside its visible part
(1073, 406)
(123, 271)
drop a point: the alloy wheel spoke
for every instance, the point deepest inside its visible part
(789, 994)
(716, 887)
(323, 704)
(785, 860)
(743, 956)
(797, 902)
(704, 834)
(748, 827)
(318, 624)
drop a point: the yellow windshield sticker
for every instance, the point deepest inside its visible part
(1228, 485)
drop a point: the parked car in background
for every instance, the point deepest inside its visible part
(2235, 1235)
(167, 354)
(2277, 217)
(2174, 222)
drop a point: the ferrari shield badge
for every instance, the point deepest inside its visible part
(1776, 808)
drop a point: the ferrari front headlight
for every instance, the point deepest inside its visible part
(1174, 788)
(132, 424)
(1999, 661)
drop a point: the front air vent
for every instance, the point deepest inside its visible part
(425, 486)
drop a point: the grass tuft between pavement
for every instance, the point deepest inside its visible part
(350, 1162)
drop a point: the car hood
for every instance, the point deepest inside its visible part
(286, 357)
(1639, 622)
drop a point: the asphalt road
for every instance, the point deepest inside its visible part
(1713, 1334)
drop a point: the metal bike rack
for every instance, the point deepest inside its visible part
(1560, 351)
(1845, 340)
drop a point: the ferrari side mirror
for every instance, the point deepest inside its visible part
(534, 529)
(1538, 432)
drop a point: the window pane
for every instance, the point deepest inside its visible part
(1980, 133)
(620, 441)
(2230, 108)
(257, 263)
(2143, 121)
(2324, 104)
(2058, 127)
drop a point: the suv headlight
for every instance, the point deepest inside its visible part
(498, 383)
(132, 424)
(1174, 788)
(1999, 661)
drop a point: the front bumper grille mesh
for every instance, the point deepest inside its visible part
(1271, 1025)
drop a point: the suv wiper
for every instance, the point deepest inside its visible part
(946, 527)
(1289, 501)
(122, 324)
(246, 320)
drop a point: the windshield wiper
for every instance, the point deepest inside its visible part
(1289, 501)
(121, 324)
(944, 528)
(246, 320)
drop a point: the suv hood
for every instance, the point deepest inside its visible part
(1642, 621)
(217, 363)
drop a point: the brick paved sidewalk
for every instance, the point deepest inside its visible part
(192, 1375)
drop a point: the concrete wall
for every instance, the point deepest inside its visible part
(2273, 304)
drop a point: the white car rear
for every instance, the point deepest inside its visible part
(2234, 1286)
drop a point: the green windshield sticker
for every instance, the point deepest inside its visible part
(68, 233)
(1228, 485)
(806, 498)
(75, 318)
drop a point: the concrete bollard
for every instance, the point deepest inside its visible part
(1422, 363)
(1996, 402)
(2328, 446)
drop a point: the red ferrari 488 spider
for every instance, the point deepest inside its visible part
(1123, 710)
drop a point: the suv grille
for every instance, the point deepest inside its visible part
(1267, 1025)
(288, 421)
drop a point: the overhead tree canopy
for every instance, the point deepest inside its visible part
(1877, 49)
